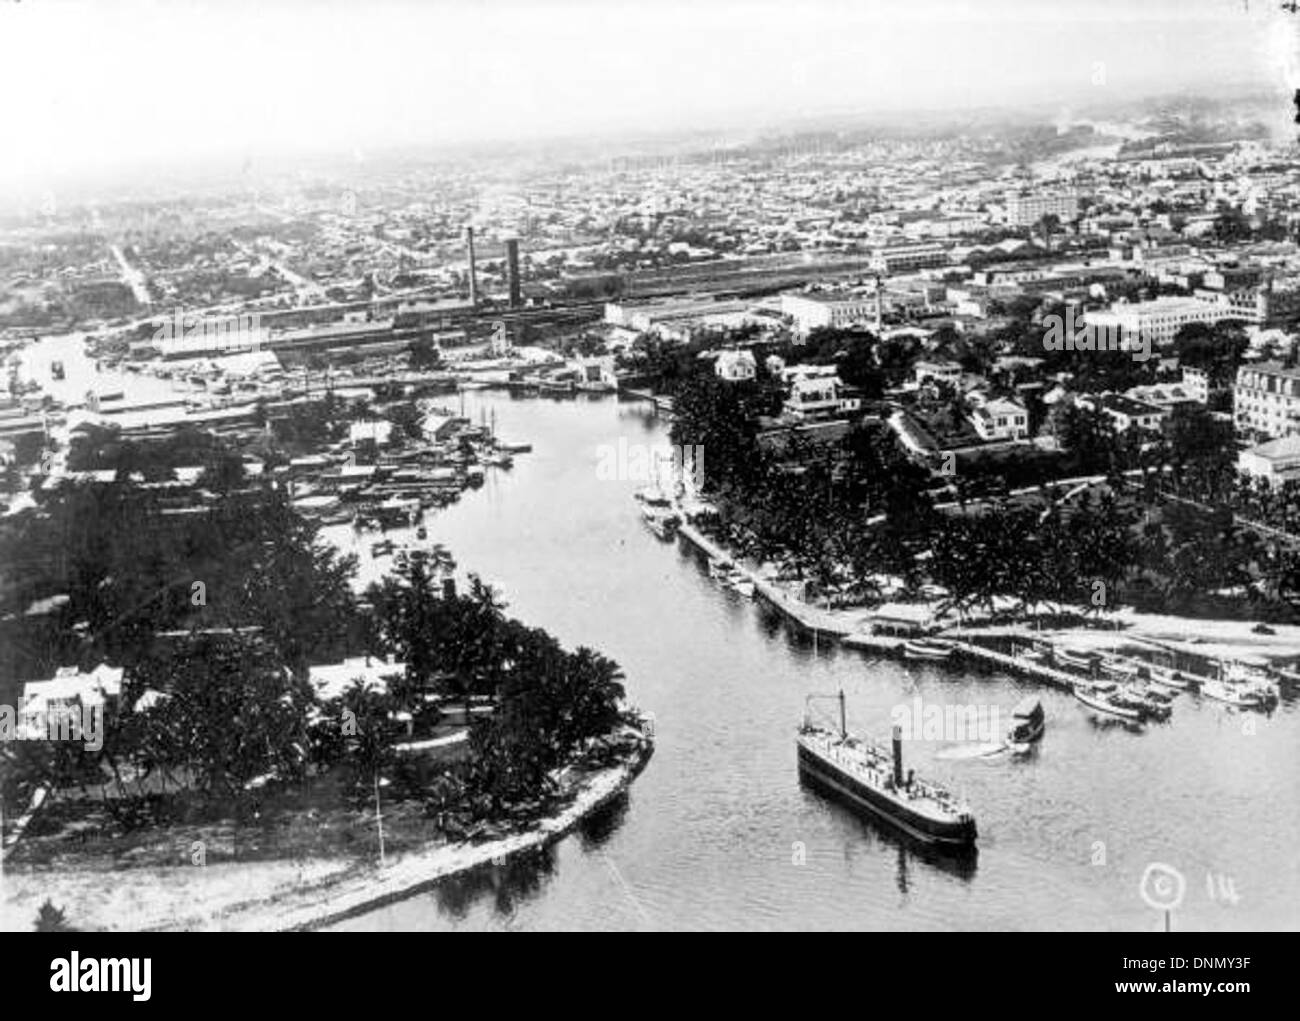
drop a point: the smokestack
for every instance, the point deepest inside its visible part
(898, 756)
(473, 273)
(879, 318)
(512, 271)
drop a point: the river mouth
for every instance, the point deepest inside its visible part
(719, 833)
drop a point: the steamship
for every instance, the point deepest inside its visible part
(868, 778)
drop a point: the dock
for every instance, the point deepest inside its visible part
(811, 619)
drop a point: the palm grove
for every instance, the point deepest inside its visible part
(216, 616)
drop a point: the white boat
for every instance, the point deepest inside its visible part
(1100, 697)
(926, 648)
(742, 585)
(1231, 693)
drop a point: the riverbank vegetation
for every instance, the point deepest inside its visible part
(857, 521)
(461, 720)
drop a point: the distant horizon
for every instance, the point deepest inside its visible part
(123, 88)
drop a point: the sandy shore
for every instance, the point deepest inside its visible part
(261, 896)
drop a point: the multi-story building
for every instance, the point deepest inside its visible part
(1156, 321)
(1197, 384)
(1266, 400)
(811, 311)
(906, 258)
(816, 397)
(1026, 209)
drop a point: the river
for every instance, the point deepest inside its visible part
(718, 832)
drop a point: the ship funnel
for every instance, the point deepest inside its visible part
(898, 755)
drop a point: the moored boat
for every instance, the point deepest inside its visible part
(1167, 677)
(1120, 669)
(1101, 697)
(1078, 660)
(741, 584)
(1151, 704)
(873, 781)
(1231, 693)
(927, 648)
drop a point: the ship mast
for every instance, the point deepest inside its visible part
(844, 730)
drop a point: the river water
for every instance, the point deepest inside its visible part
(718, 832)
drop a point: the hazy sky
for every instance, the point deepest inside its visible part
(106, 84)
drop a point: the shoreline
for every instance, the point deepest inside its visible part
(285, 895)
(1214, 637)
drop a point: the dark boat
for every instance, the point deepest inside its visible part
(1027, 723)
(870, 780)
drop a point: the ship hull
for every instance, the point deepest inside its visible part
(922, 828)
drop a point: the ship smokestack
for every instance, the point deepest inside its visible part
(473, 273)
(512, 269)
(898, 755)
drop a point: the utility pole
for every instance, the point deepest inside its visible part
(379, 820)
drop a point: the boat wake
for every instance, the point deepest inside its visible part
(973, 751)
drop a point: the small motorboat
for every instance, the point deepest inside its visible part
(742, 585)
(422, 533)
(721, 568)
(382, 548)
(926, 648)
(1027, 724)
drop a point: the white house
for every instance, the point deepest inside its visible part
(820, 397)
(735, 366)
(1001, 419)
